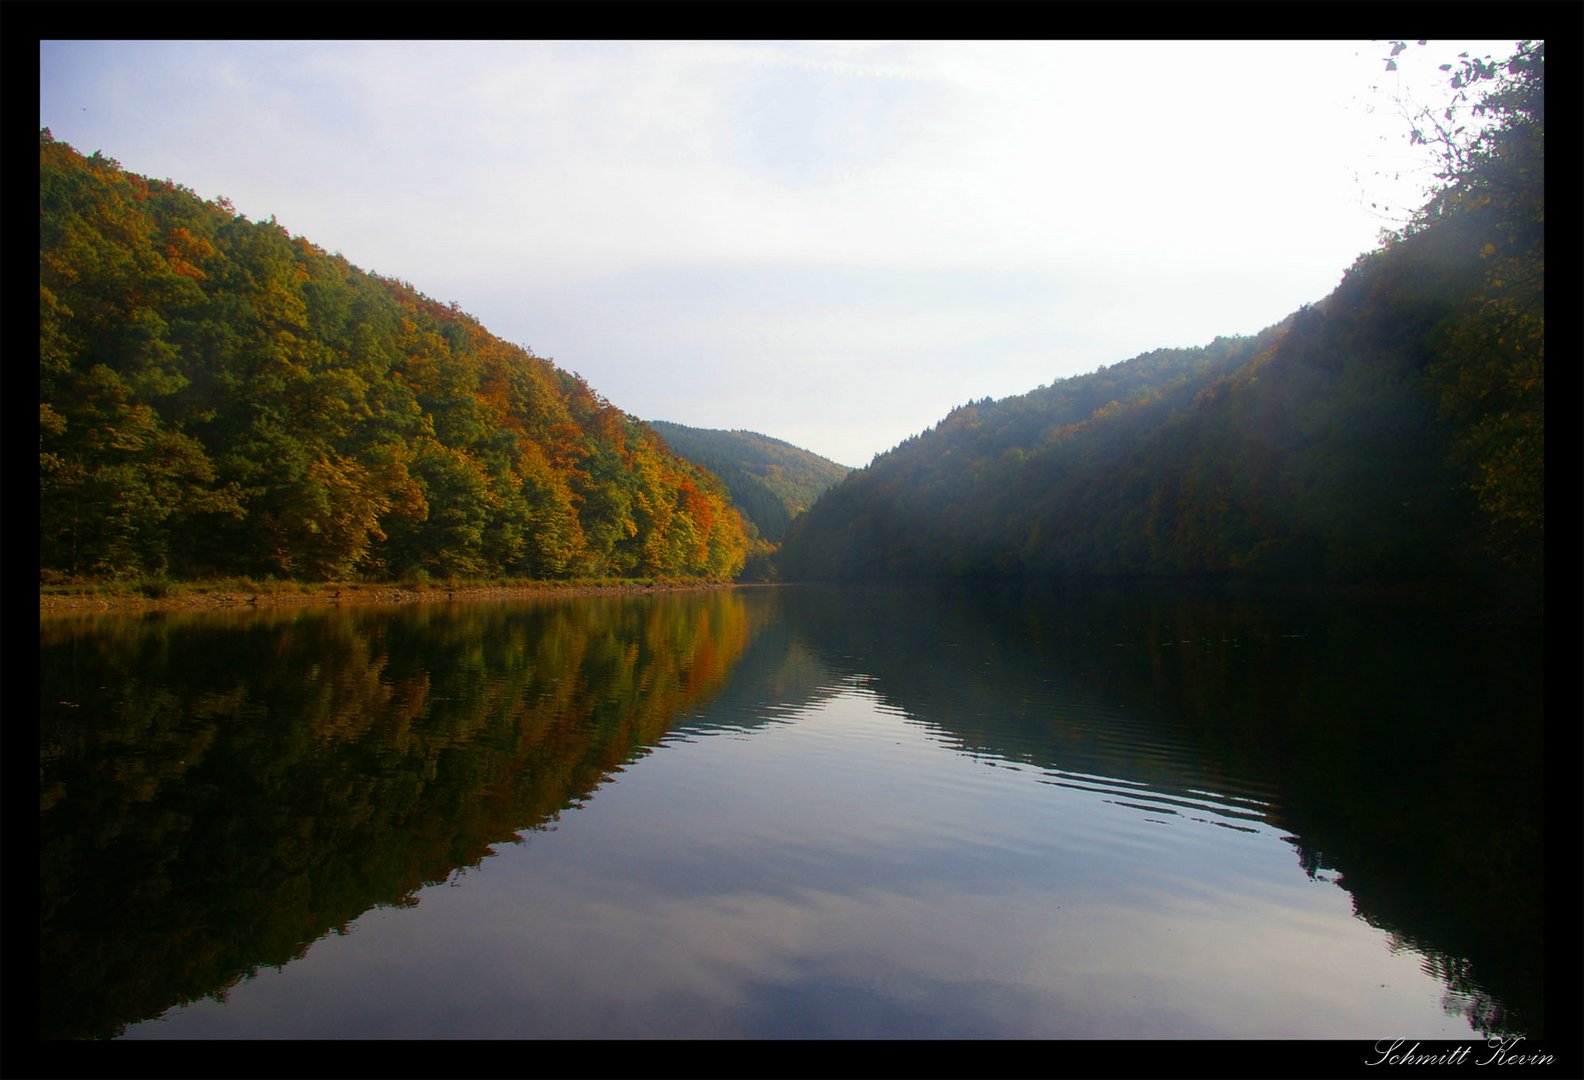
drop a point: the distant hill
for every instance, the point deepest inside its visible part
(770, 481)
(1395, 429)
(218, 397)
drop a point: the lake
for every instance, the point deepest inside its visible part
(795, 812)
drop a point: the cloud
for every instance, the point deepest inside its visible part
(821, 217)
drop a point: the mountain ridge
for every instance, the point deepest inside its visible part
(219, 397)
(770, 480)
(1394, 429)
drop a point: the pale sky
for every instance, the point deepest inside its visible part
(832, 243)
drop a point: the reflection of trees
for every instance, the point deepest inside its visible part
(1400, 748)
(218, 793)
(1028, 679)
(1417, 777)
(775, 679)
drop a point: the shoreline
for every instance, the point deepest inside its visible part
(232, 599)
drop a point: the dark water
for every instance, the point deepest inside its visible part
(791, 813)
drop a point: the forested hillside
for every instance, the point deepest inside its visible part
(770, 481)
(218, 397)
(1394, 429)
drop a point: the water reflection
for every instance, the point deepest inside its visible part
(894, 812)
(216, 793)
(1365, 727)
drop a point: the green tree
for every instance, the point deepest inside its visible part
(218, 396)
(1491, 353)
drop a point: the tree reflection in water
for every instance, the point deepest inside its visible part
(218, 792)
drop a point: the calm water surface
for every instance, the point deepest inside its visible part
(793, 812)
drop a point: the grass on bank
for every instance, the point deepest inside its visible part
(161, 587)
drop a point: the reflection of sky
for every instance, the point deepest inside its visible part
(847, 875)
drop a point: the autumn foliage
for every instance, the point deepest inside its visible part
(218, 397)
